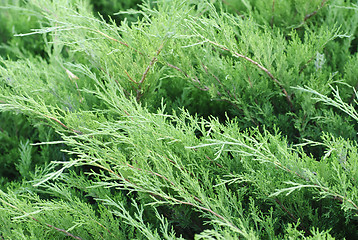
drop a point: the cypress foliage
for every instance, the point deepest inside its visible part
(187, 120)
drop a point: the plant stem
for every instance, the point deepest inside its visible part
(288, 97)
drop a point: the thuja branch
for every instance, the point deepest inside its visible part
(273, 13)
(292, 216)
(354, 95)
(221, 84)
(166, 179)
(288, 97)
(46, 224)
(187, 76)
(205, 209)
(174, 163)
(113, 39)
(158, 195)
(315, 12)
(335, 195)
(118, 41)
(154, 59)
(308, 16)
(62, 124)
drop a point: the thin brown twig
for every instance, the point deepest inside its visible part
(130, 78)
(178, 69)
(63, 125)
(218, 80)
(113, 39)
(306, 64)
(273, 12)
(105, 228)
(315, 12)
(46, 224)
(58, 121)
(288, 97)
(120, 42)
(154, 59)
(307, 231)
(308, 16)
(205, 89)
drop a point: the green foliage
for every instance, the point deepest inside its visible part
(18, 17)
(110, 9)
(191, 120)
(17, 156)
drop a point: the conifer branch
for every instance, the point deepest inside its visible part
(233, 97)
(122, 150)
(273, 12)
(288, 97)
(310, 15)
(307, 231)
(315, 12)
(46, 224)
(205, 89)
(58, 121)
(166, 179)
(120, 42)
(130, 78)
(63, 125)
(154, 59)
(306, 64)
(156, 195)
(111, 38)
(174, 163)
(207, 210)
(354, 95)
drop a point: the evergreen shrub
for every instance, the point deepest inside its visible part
(179, 119)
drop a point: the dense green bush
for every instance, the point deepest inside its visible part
(189, 120)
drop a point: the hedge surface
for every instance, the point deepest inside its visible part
(178, 119)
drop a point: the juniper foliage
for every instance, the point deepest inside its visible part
(199, 120)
